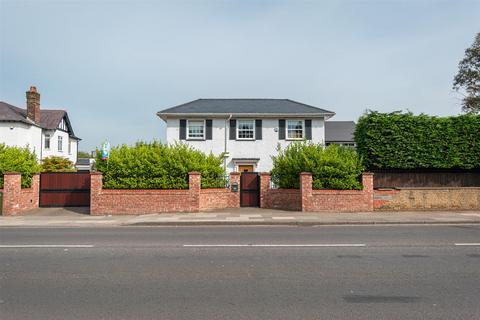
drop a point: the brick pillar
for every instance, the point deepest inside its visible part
(12, 187)
(306, 190)
(264, 188)
(35, 201)
(96, 185)
(235, 178)
(194, 187)
(367, 181)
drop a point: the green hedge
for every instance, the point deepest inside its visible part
(15, 159)
(405, 141)
(333, 167)
(158, 166)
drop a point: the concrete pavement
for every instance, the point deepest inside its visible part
(399, 272)
(79, 217)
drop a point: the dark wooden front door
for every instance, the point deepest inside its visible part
(65, 189)
(249, 189)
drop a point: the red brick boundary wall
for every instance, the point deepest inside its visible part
(283, 199)
(221, 198)
(193, 199)
(16, 199)
(309, 200)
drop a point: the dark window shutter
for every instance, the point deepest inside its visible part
(208, 131)
(308, 129)
(183, 129)
(258, 129)
(281, 129)
(233, 129)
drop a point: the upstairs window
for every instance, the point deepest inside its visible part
(60, 143)
(47, 142)
(295, 129)
(196, 129)
(245, 129)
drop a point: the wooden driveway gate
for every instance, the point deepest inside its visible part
(249, 189)
(65, 189)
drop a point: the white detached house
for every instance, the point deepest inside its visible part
(45, 132)
(246, 130)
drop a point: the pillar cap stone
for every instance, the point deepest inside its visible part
(264, 173)
(12, 173)
(193, 173)
(234, 173)
(95, 173)
(305, 173)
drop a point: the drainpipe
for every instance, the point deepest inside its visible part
(226, 150)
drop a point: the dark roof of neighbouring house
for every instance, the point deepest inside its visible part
(49, 119)
(244, 107)
(339, 131)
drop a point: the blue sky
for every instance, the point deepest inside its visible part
(113, 64)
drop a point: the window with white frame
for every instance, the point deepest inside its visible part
(246, 129)
(63, 125)
(196, 129)
(294, 129)
(69, 146)
(47, 142)
(60, 143)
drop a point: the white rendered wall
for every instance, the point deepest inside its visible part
(21, 135)
(53, 151)
(262, 149)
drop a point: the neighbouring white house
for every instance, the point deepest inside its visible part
(247, 131)
(45, 132)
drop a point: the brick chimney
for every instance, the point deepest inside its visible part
(33, 104)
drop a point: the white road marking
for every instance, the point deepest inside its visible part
(46, 246)
(278, 245)
(468, 244)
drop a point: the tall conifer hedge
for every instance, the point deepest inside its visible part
(406, 141)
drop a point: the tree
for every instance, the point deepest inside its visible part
(57, 164)
(468, 77)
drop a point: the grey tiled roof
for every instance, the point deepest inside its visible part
(244, 106)
(49, 119)
(339, 131)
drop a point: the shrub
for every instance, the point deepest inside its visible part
(57, 164)
(405, 141)
(158, 166)
(15, 159)
(333, 167)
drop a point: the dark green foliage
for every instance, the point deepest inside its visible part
(158, 166)
(405, 141)
(468, 78)
(14, 159)
(57, 164)
(333, 167)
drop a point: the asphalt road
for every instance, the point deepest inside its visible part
(382, 272)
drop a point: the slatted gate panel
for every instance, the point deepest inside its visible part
(249, 189)
(65, 189)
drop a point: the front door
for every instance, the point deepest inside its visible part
(249, 189)
(245, 168)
